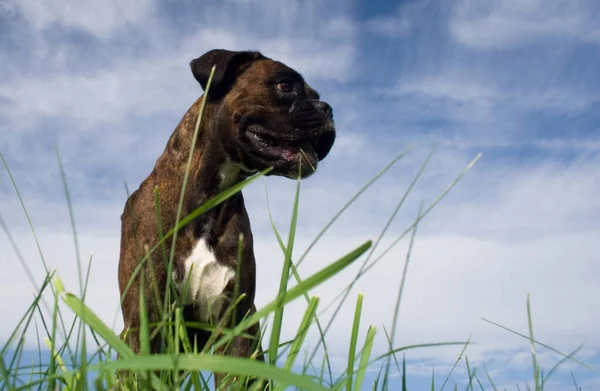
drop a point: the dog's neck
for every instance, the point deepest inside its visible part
(210, 171)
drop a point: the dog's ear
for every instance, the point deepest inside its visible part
(228, 65)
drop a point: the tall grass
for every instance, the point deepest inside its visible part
(69, 362)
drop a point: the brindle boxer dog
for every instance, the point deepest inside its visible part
(259, 113)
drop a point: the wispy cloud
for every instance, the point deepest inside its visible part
(505, 24)
(100, 20)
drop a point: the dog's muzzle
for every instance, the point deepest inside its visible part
(313, 119)
(301, 136)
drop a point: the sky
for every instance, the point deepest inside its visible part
(514, 80)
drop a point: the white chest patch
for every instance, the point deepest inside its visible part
(205, 280)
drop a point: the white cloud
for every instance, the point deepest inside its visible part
(481, 95)
(479, 108)
(158, 80)
(127, 105)
(545, 194)
(160, 83)
(389, 25)
(407, 17)
(99, 19)
(146, 86)
(502, 24)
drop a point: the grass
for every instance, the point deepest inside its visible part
(82, 354)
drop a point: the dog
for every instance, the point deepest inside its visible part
(258, 114)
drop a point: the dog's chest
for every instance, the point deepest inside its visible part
(205, 281)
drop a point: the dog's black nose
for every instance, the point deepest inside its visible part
(324, 106)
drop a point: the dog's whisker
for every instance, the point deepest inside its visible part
(307, 159)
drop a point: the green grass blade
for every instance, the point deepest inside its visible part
(353, 339)
(92, 320)
(16, 360)
(17, 251)
(35, 238)
(165, 256)
(238, 273)
(81, 310)
(470, 384)
(159, 224)
(301, 333)
(477, 379)
(39, 347)
(53, 365)
(579, 362)
(298, 281)
(322, 373)
(83, 351)
(63, 176)
(143, 331)
(378, 378)
(364, 358)
(285, 273)
(417, 346)
(577, 388)
(233, 365)
(404, 372)
(298, 290)
(558, 364)
(391, 346)
(487, 374)
(535, 366)
(401, 289)
(462, 352)
(5, 374)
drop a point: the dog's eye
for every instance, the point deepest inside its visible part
(285, 86)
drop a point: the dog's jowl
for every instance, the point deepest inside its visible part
(259, 113)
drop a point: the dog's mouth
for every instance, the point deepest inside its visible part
(290, 151)
(290, 155)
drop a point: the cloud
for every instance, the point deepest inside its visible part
(160, 82)
(489, 109)
(390, 26)
(484, 96)
(100, 20)
(505, 24)
(400, 24)
(126, 103)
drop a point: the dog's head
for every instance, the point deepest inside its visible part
(271, 116)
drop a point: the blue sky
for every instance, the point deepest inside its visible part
(514, 80)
